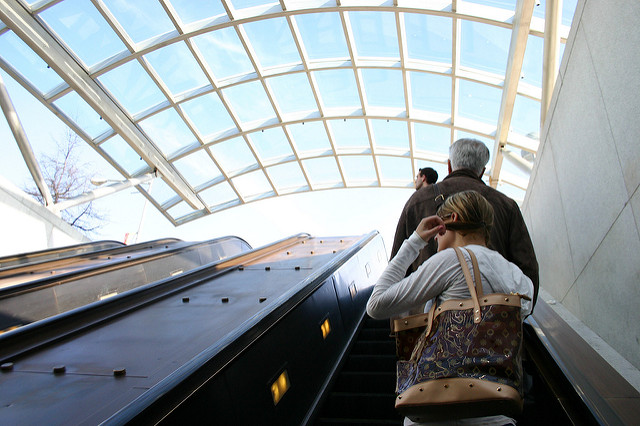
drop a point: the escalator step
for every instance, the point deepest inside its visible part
(381, 334)
(374, 347)
(376, 382)
(349, 405)
(368, 422)
(371, 363)
(374, 323)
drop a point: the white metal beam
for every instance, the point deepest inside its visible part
(519, 37)
(103, 191)
(16, 17)
(551, 54)
(23, 143)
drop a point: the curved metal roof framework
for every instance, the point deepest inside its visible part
(234, 101)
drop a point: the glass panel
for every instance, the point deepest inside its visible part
(484, 46)
(161, 192)
(132, 87)
(532, 64)
(272, 41)
(249, 102)
(375, 34)
(82, 114)
(223, 53)
(350, 133)
(384, 87)
(539, 9)
(322, 35)
(526, 117)
(242, 4)
(219, 195)
(293, 93)
(233, 155)
(271, 144)
(123, 154)
(509, 167)
(194, 10)
(310, 137)
(431, 92)
(208, 114)
(428, 37)
(503, 4)
(15, 52)
(432, 138)
(337, 88)
(198, 168)
(287, 177)
(167, 131)
(177, 67)
(561, 53)
(322, 171)
(568, 10)
(252, 185)
(84, 30)
(479, 102)
(358, 170)
(395, 169)
(390, 133)
(180, 210)
(141, 19)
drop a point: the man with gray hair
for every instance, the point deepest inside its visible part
(466, 164)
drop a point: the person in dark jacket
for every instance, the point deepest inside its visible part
(509, 236)
(426, 176)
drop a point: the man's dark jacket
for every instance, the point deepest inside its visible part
(509, 235)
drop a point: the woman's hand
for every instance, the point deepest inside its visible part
(430, 226)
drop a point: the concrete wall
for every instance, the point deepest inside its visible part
(583, 203)
(27, 226)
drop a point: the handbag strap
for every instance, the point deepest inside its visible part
(472, 288)
(476, 273)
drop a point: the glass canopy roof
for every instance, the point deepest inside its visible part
(234, 101)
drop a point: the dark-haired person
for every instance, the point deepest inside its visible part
(466, 164)
(426, 176)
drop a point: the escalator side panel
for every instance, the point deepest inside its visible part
(187, 340)
(295, 344)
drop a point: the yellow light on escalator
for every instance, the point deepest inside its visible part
(326, 328)
(280, 387)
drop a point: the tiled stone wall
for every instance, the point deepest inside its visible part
(583, 203)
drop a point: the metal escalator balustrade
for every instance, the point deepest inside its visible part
(204, 346)
(114, 273)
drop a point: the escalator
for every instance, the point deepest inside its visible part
(274, 335)
(30, 293)
(363, 393)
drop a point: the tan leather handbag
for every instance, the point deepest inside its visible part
(467, 361)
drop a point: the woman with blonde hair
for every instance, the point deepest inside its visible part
(464, 220)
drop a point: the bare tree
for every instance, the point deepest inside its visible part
(68, 178)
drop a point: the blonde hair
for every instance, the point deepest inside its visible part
(475, 214)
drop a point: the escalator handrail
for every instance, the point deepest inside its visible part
(66, 277)
(37, 334)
